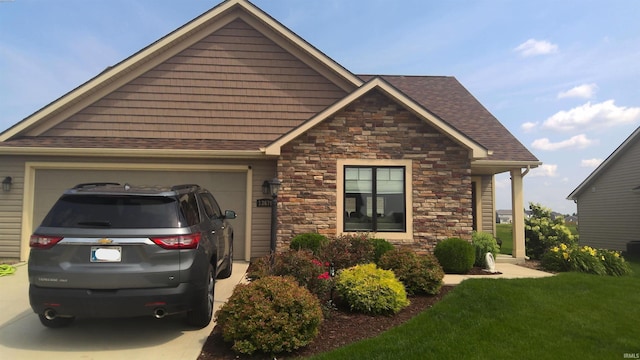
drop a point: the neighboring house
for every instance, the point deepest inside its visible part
(608, 200)
(504, 216)
(234, 98)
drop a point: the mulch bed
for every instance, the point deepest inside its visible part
(339, 329)
(334, 328)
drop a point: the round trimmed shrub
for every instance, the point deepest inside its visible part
(420, 274)
(308, 241)
(456, 256)
(484, 243)
(371, 290)
(270, 315)
(380, 247)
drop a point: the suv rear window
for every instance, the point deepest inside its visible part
(113, 211)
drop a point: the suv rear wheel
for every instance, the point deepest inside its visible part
(200, 315)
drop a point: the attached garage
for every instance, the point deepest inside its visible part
(228, 183)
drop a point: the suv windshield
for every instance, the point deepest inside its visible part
(115, 211)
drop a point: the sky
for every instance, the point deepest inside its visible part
(561, 75)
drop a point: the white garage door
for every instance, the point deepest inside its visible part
(229, 189)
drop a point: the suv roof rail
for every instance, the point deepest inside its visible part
(95, 184)
(184, 186)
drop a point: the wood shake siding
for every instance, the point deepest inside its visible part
(235, 84)
(608, 209)
(374, 127)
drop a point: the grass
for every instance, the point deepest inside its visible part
(570, 315)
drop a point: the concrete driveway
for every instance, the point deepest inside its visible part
(23, 337)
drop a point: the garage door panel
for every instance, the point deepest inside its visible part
(229, 189)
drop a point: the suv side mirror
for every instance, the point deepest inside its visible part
(229, 214)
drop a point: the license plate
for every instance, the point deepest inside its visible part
(106, 254)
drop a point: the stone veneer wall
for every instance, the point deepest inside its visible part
(375, 127)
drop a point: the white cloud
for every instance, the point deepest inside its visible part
(604, 114)
(529, 126)
(590, 163)
(585, 91)
(579, 141)
(544, 170)
(533, 47)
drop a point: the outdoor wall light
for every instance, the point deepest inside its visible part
(6, 184)
(274, 186)
(266, 188)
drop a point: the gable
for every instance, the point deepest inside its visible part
(619, 170)
(476, 151)
(235, 84)
(445, 97)
(233, 64)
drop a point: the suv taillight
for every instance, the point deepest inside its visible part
(189, 241)
(43, 241)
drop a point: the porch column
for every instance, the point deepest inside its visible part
(517, 208)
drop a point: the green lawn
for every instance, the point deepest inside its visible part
(568, 316)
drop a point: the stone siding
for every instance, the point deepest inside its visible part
(375, 127)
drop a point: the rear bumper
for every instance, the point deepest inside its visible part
(112, 303)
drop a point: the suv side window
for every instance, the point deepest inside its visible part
(189, 209)
(211, 207)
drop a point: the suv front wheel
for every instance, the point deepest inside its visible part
(202, 311)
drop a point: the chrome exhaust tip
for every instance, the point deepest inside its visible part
(159, 313)
(50, 314)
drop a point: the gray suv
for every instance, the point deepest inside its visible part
(111, 250)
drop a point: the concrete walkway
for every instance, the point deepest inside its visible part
(23, 337)
(509, 271)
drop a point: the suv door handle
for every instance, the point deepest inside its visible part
(213, 231)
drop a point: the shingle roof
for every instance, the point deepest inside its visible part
(445, 97)
(131, 143)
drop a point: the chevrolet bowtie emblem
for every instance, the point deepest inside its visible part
(105, 241)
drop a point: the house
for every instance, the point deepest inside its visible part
(608, 200)
(504, 217)
(234, 98)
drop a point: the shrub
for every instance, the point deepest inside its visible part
(371, 290)
(456, 256)
(308, 241)
(348, 250)
(614, 264)
(584, 259)
(270, 315)
(299, 264)
(420, 274)
(542, 233)
(380, 247)
(484, 243)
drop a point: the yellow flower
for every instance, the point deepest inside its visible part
(555, 249)
(565, 255)
(616, 254)
(563, 246)
(602, 257)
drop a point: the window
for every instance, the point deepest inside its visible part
(113, 211)
(211, 207)
(375, 199)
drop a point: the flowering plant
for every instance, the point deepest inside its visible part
(585, 259)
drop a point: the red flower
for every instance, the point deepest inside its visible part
(324, 276)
